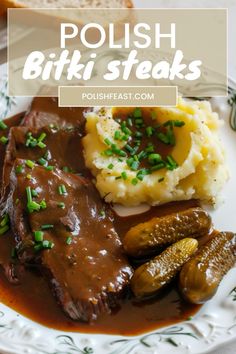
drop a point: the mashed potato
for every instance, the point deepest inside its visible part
(200, 171)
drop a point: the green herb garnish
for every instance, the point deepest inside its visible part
(4, 140)
(3, 126)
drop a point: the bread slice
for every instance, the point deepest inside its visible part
(65, 4)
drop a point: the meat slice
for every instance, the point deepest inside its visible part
(59, 148)
(81, 254)
(45, 111)
(4, 131)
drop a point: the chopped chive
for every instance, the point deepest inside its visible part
(43, 204)
(66, 169)
(125, 137)
(119, 152)
(34, 193)
(150, 148)
(14, 253)
(3, 126)
(142, 173)
(153, 159)
(174, 123)
(3, 140)
(102, 213)
(47, 226)
(30, 164)
(137, 113)
(33, 206)
(4, 229)
(134, 166)
(140, 176)
(142, 155)
(129, 121)
(163, 138)
(138, 134)
(42, 137)
(49, 168)
(42, 161)
(129, 148)
(47, 244)
(171, 164)
(17, 201)
(118, 177)
(134, 181)
(117, 135)
(124, 175)
(29, 194)
(19, 169)
(138, 121)
(107, 141)
(157, 167)
(28, 176)
(41, 145)
(5, 220)
(108, 152)
(149, 131)
(62, 189)
(38, 236)
(135, 149)
(171, 136)
(130, 161)
(38, 247)
(30, 141)
(69, 240)
(179, 123)
(61, 205)
(126, 130)
(110, 166)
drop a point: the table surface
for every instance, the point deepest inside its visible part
(230, 348)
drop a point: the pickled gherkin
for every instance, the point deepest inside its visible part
(153, 275)
(201, 275)
(146, 238)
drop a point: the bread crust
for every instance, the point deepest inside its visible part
(6, 4)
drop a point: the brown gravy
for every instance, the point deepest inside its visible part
(159, 147)
(33, 298)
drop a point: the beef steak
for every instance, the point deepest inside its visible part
(79, 251)
(58, 149)
(45, 111)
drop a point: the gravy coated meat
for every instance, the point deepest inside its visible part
(57, 149)
(45, 111)
(70, 236)
(4, 131)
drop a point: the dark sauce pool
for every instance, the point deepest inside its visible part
(33, 298)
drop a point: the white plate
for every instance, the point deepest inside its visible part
(214, 325)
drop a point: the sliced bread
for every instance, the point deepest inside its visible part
(65, 4)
